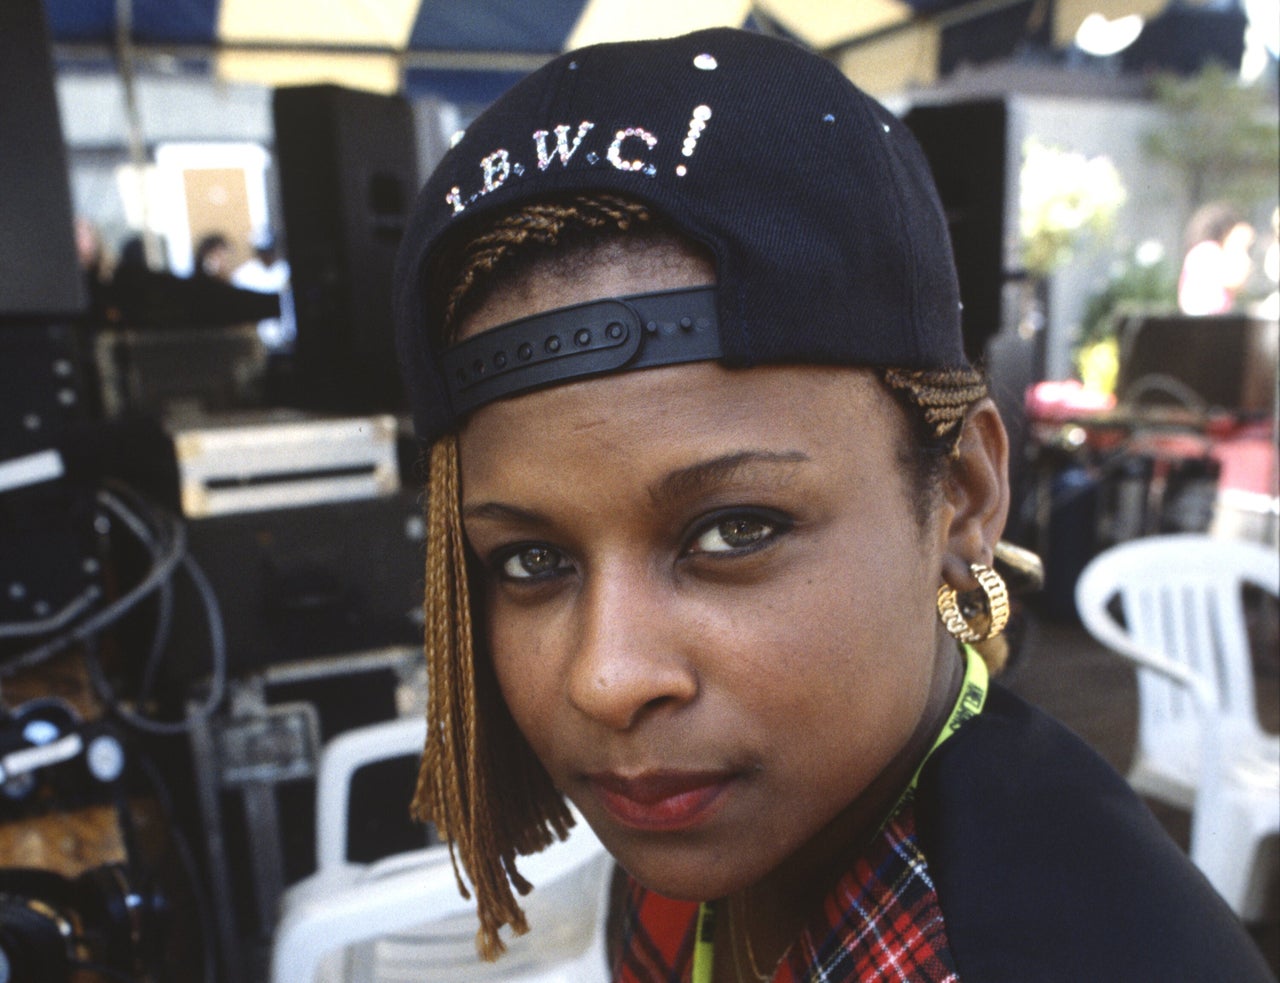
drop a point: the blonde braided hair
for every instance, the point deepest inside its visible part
(940, 397)
(479, 781)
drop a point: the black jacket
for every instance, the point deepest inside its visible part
(1048, 867)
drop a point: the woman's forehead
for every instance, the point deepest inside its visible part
(653, 420)
(617, 268)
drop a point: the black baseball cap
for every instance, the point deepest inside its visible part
(830, 243)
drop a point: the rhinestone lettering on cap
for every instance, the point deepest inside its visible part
(701, 114)
(496, 168)
(615, 149)
(563, 150)
(555, 144)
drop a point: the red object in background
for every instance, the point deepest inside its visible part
(1247, 460)
(1066, 401)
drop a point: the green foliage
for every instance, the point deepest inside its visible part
(1065, 200)
(1132, 287)
(1223, 136)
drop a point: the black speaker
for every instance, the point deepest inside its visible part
(965, 144)
(45, 385)
(39, 274)
(309, 582)
(48, 556)
(348, 173)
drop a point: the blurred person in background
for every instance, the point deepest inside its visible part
(95, 267)
(268, 272)
(1269, 305)
(1217, 261)
(213, 257)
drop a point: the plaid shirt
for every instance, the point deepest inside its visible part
(881, 922)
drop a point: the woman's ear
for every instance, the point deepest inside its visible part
(977, 492)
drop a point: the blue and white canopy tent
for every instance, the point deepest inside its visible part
(467, 51)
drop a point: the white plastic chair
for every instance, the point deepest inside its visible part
(402, 919)
(1200, 744)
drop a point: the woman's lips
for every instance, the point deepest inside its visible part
(661, 801)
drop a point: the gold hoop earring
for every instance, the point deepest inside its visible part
(988, 607)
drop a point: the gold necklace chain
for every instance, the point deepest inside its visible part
(969, 703)
(737, 956)
(761, 977)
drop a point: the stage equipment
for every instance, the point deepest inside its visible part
(305, 536)
(1221, 362)
(348, 172)
(110, 917)
(37, 245)
(254, 767)
(966, 144)
(280, 460)
(49, 562)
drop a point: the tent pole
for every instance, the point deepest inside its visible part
(137, 143)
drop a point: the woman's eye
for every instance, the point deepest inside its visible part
(529, 562)
(734, 534)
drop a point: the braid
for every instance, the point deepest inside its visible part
(939, 397)
(542, 224)
(938, 400)
(479, 780)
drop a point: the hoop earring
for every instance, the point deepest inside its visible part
(990, 604)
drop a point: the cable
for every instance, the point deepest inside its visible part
(187, 860)
(166, 543)
(172, 546)
(164, 594)
(1168, 386)
(218, 679)
(159, 641)
(56, 622)
(213, 618)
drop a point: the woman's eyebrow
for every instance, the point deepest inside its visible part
(715, 471)
(680, 483)
(500, 512)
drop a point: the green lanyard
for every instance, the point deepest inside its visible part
(973, 695)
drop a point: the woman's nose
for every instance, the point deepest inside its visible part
(627, 660)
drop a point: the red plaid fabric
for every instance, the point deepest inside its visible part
(880, 924)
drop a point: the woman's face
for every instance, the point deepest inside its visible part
(707, 596)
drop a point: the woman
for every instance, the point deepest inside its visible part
(713, 502)
(1217, 261)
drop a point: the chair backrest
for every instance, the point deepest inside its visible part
(567, 913)
(402, 918)
(340, 759)
(1174, 605)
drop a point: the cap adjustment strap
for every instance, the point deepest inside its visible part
(641, 331)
